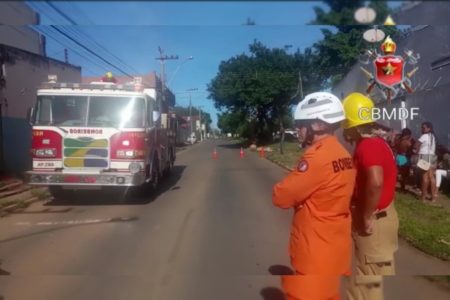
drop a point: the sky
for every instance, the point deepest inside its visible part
(210, 32)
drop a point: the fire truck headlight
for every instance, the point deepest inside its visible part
(134, 167)
(50, 152)
(45, 152)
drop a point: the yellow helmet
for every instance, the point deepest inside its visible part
(358, 110)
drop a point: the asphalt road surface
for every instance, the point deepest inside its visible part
(210, 233)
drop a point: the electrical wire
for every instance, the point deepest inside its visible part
(90, 51)
(46, 33)
(78, 32)
(80, 44)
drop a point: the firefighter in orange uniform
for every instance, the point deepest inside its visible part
(319, 191)
(375, 221)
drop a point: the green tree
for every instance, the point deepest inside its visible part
(340, 47)
(231, 122)
(258, 87)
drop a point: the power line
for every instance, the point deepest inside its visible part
(74, 33)
(61, 13)
(75, 7)
(46, 33)
(79, 33)
(66, 35)
(90, 51)
(86, 36)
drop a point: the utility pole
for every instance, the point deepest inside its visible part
(190, 117)
(190, 110)
(200, 122)
(162, 59)
(66, 56)
(300, 83)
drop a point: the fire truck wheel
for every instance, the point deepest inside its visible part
(170, 164)
(154, 183)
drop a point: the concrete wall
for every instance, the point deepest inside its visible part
(25, 71)
(15, 17)
(423, 12)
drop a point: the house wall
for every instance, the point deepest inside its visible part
(25, 71)
(15, 17)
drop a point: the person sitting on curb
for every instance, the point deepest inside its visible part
(443, 170)
(403, 151)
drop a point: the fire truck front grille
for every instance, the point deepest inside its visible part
(85, 152)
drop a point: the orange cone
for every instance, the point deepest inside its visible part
(241, 153)
(214, 154)
(262, 152)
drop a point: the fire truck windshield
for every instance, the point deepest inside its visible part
(90, 111)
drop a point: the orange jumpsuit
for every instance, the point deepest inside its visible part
(319, 190)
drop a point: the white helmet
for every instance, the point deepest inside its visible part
(322, 106)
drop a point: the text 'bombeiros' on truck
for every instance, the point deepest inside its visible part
(101, 135)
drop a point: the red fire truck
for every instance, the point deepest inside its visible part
(101, 135)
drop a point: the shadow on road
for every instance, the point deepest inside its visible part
(280, 270)
(272, 293)
(3, 272)
(230, 146)
(114, 196)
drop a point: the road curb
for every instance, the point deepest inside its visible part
(280, 164)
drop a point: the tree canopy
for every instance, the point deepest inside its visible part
(255, 91)
(339, 50)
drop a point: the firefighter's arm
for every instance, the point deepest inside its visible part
(298, 186)
(372, 193)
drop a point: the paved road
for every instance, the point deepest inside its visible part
(212, 233)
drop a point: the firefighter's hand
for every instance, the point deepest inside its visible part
(367, 226)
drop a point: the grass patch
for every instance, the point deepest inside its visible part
(425, 227)
(19, 202)
(40, 193)
(290, 158)
(237, 141)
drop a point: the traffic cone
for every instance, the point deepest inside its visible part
(262, 152)
(241, 153)
(214, 154)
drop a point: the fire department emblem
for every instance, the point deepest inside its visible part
(389, 69)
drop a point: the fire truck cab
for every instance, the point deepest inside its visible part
(100, 135)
